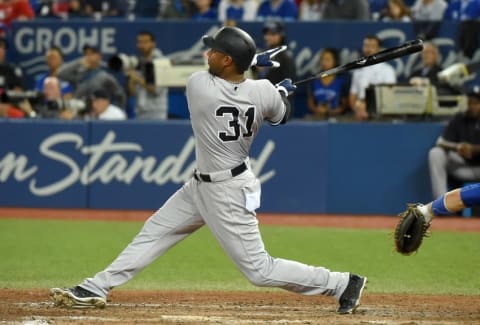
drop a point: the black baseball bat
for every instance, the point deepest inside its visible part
(382, 56)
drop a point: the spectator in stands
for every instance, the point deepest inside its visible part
(237, 10)
(10, 79)
(396, 10)
(35, 4)
(105, 8)
(460, 10)
(86, 74)
(456, 155)
(52, 104)
(381, 73)
(51, 9)
(328, 97)
(428, 72)
(428, 10)
(148, 8)
(286, 10)
(54, 58)
(204, 10)
(76, 9)
(176, 9)
(103, 109)
(274, 35)
(376, 8)
(427, 16)
(311, 10)
(10, 74)
(347, 10)
(15, 10)
(151, 102)
(467, 12)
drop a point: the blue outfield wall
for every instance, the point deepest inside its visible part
(305, 167)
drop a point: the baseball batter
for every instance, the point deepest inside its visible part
(226, 111)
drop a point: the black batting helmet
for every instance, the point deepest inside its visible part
(233, 42)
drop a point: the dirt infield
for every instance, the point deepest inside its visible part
(275, 307)
(263, 307)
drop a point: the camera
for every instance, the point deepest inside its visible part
(161, 72)
(15, 97)
(124, 62)
(78, 106)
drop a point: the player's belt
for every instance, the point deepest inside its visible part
(222, 175)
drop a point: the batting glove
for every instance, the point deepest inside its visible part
(286, 86)
(264, 59)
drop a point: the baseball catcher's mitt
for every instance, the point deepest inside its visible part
(410, 230)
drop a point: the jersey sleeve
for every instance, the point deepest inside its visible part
(273, 106)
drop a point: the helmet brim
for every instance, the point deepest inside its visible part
(209, 41)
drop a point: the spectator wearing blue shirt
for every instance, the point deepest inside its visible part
(54, 59)
(461, 10)
(328, 97)
(284, 9)
(467, 12)
(205, 11)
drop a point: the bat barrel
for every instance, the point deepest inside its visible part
(382, 56)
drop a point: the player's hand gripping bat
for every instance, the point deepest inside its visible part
(382, 56)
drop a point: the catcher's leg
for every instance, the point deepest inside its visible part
(453, 201)
(470, 195)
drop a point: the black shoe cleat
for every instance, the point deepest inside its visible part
(350, 299)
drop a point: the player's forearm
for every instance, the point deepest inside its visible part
(134, 78)
(131, 87)
(352, 100)
(151, 88)
(445, 144)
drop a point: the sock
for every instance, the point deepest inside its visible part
(439, 208)
(425, 211)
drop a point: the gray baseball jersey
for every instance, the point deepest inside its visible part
(225, 118)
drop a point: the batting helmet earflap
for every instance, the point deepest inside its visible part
(234, 42)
